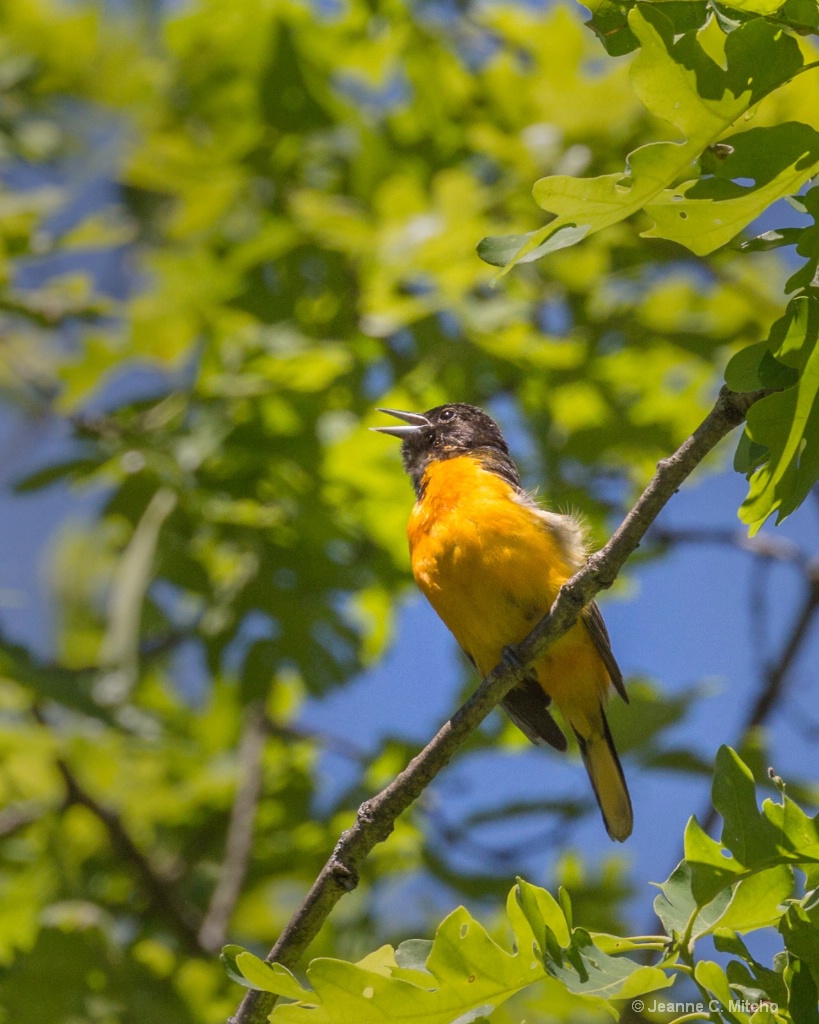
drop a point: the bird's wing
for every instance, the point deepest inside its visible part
(528, 707)
(527, 704)
(593, 621)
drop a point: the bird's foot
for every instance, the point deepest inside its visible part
(510, 659)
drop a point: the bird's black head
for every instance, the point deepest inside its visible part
(446, 432)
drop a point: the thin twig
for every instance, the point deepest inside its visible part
(493, 857)
(376, 817)
(161, 890)
(776, 677)
(758, 607)
(331, 743)
(765, 549)
(239, 842)
(777, 549)
(769, 695)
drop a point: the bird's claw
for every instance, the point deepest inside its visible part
(510, 660)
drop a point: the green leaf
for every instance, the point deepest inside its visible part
(679, 82)
(742, 371)
(609, 22)
(614, 944)
(804, 13)
(565, 901)
(803, 994)
(500, 250)
(684, 903)
(712, 977)
(756, 901)
(805, 278)
(468, 974)
(545, 917)
(228, 960)
(270, 977)
(734, 796)
(712, 871)
(773, 374)
(705, 891)
(706, 214)
(755, 367)
(755, 6)
(53, 474)
(727, 941)
(591, 972)
(787, 423)
(749, 455)
(801, 936)
(797, 832)
(750, 979)
(412, 954)
(465, 974)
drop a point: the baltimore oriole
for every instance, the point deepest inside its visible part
(491, 561)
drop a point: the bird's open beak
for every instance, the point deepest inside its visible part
(414, 420)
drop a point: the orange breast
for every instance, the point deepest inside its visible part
(491, 568)
(484, 560)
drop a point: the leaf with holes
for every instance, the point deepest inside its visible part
(466, 974)
(706, 214)
(679, 82)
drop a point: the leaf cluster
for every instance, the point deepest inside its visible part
(721, 889)
(703, 68)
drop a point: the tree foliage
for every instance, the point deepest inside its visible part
(723, 889)
(278, 235)
(701, 73)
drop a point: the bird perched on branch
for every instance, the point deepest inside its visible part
(491, 561)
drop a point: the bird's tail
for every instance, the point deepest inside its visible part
(607, 779)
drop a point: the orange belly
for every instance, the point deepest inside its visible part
(491, 568)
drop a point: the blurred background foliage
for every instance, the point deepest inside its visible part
(228, 230)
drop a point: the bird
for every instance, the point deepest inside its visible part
(490, 560)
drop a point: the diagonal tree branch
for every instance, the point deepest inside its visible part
(240, 831)
(762, 546)
(778, 674)
(772, 690)
(161, 890)
(376, 817)
(776, 677)
(331, 743)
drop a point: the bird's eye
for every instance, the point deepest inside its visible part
(447, 414)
